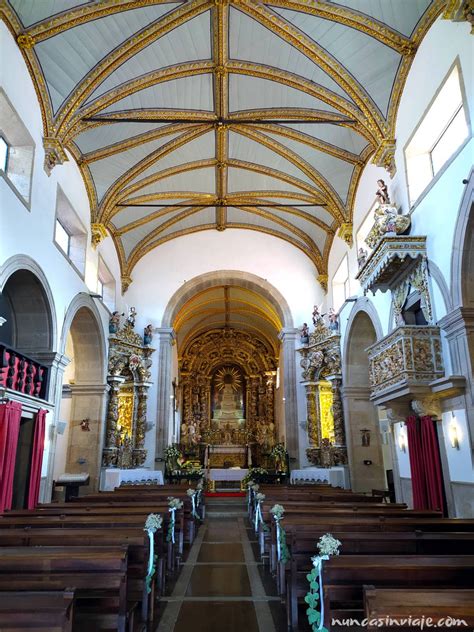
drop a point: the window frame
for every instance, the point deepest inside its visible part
(66, 253)
(108, 295)
(7, 145)
(71, 223)
(347, 281)
(465, 106)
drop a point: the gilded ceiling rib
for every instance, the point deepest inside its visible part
(123, 53)
(318, 55)
(317, 194)
(160, 175)
(220, 45)
(311, 141)
(243, 200)
(335, 204)
(344, 15)
(110, 197)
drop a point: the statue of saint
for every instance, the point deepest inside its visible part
(382, 193)
(132, 314)
(114, 323)
(148, 334)
(304, 334)
(333, 320)
(362, 257)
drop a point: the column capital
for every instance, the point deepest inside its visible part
(288, 333)
(166, 334)
(51, 359)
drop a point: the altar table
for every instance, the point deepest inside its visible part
(113, 477)
(335, 476)
(226, 474)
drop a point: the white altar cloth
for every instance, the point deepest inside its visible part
(335, 476)
(226, 474)
(113, 477)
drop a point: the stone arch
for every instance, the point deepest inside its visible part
(462, 260)
(360, 414)
(83, 318)
(230, 278)
(365, 305)
(27, 297)
(84, 391)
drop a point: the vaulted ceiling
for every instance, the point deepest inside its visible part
(220, 114)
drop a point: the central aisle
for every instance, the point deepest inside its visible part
(220, 587)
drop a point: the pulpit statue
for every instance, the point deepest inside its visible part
(387, 220)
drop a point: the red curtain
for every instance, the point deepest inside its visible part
(10, 416)
(36, 459)
(415, 451)
(432, 464)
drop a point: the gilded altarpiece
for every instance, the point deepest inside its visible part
(129, 380)
(227, 381)
(321, 364)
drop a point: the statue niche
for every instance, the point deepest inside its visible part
(227, 389)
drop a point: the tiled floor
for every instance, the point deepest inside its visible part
(220, 586)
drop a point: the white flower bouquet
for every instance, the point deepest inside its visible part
(153, 522)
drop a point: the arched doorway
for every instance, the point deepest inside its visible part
(362, 422)
(80, 419)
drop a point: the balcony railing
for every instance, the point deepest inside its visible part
(20, 373)
(409, 358)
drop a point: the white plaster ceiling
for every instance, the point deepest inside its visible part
(181, 81)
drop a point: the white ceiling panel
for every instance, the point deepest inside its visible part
(132, 237)
(31, 11)
(250, 41)
(373, 64)
(129, 214)
(203, 146)
(317, 234)
(206, 216)
(187, 42)
(106, 171)
(237, 216)
(190, 93)
(252, 93)
(244, 180)
(334, 134)
(67, 57)
(105, 135)
(315, 211)
(203, 180)
(243, 148)
(401, 15)
(336, 171)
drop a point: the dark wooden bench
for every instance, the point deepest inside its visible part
(381, 604)
(36, 611)
(344, 578)
(98, 575)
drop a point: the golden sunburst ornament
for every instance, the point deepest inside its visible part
(228, 375)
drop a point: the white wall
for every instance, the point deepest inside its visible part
(460, 461)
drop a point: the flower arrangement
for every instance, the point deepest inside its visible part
(277, 511)
(278, 451)
(327, 545)
(254, 474)
(174, 503)
(171, 452)
(153, 522)
(259, 497)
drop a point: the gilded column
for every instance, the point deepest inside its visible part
(110, 454)
(312, 414)
(139, 452)
(337, 412)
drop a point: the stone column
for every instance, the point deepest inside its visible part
(56, 363)
(164, 432)
(288, 337)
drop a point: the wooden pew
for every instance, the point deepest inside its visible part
(37, 611)
(98, 574)
(344, 578)
(381, 604)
